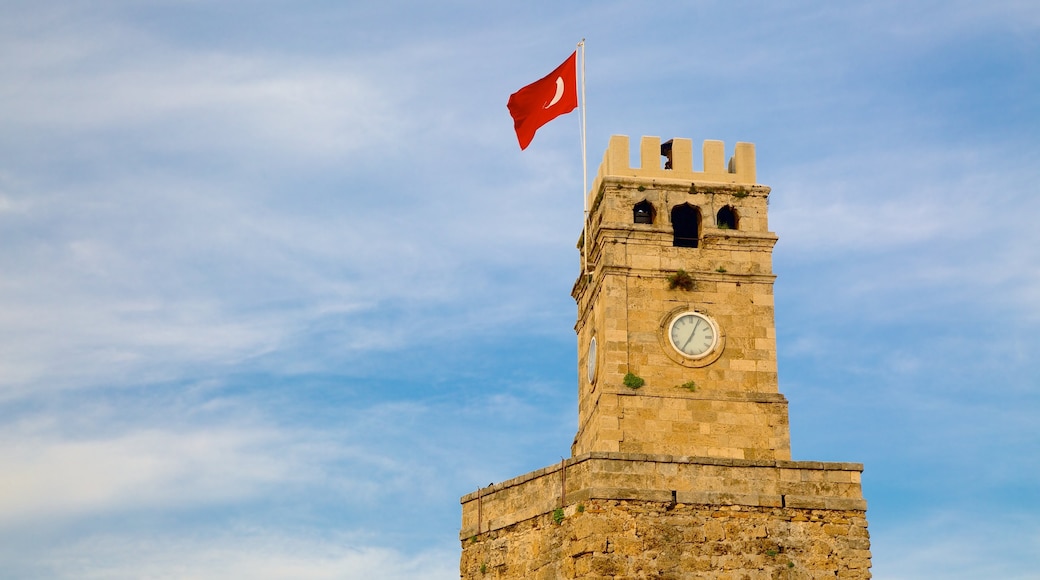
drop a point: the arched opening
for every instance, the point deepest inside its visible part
(727, 218)
(686, 226)
(643, 213)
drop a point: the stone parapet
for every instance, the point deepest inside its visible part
(663, 478)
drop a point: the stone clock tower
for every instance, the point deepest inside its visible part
(681, 465)
(679, 293)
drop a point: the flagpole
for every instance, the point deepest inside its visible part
(584, 168)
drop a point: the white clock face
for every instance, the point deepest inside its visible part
(694, 335)
(590, 362)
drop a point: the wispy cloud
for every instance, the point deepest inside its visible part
(148, 467)
(111, 85)
(238, 552)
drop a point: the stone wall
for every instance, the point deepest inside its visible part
(614, 539)
(617, 515)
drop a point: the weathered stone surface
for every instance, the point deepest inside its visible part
(638, 539)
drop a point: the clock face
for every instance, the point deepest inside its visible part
(590, 361)
(693, 335)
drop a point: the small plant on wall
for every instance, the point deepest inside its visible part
(680, 279)
(633, 382)
(558, 515)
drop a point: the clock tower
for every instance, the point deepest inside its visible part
(677, 295)
(681, 466)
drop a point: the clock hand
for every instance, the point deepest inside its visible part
(692, 334)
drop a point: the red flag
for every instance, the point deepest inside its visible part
(544, 100)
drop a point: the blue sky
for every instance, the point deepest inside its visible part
(278, 287)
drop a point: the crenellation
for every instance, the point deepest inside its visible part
(740, 169)
(714, 157)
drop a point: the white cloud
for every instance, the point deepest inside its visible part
(47, 477)
(87, 477)
(106, 82)
(872, 201)
(151, 229)
(208, 446)
(912, 232)
(253, 553)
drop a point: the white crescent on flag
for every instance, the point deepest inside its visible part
(559, 93)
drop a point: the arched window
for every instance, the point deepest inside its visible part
(643, 213)
(727, 218)
(686, 226)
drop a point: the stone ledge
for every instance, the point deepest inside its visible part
(787, 464)
(644, 457)
(667, 479)
(724, 498)
(827, 503)
(710, 276)
(704, 394)
(702, 498)
(655, 234)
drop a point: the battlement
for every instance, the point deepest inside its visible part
(739, 170)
